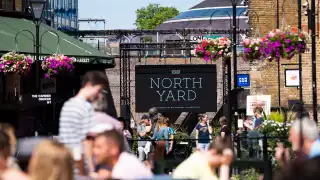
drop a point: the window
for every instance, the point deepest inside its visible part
(7, 5)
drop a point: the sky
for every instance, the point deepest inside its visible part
(120, 14)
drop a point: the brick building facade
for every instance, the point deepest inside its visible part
(288, 17)
(267, 72)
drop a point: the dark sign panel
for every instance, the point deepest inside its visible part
(176, 88)
(37, 99)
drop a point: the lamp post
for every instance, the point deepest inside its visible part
(314, 61)
(37, 8)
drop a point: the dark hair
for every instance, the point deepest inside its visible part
(300, 169)
(95, 78)
(258, 110)
(114, 136)
(5, 147)
(120, 119)
(202, 116)
(220, 144)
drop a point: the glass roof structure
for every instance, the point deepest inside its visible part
(209, 14)
(214, 12)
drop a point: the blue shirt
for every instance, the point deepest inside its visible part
(315, 149)
(203, 133)
(163, 133)
(257, 122)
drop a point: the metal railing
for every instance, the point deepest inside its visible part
(259, 156)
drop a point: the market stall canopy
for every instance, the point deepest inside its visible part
(9, 32)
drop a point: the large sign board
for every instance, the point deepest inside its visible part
(176, 88)
(263, 101)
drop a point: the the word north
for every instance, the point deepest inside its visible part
(176, 89)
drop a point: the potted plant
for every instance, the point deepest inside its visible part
(283, 44)
(13, 65)
(58, 63)
(213, 49)
(13, 62)
(252, 48)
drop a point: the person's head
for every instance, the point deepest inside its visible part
(305, 169)
(108, 146)
(100, 104)
(160, 122)
(309, 131)
(223, 121)
(145, 119)
(122, 123)
(5, 149)
(215, 150)
(51, 160)
(153, 111)
(9, 130)
(257, 111)
(203, 118)
(167, 122)
(93, 83)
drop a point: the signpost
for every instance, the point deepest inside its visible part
(176, 88)
(200, 38)
(37, 99)
(243, 80)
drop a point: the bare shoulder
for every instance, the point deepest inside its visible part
(13, 174)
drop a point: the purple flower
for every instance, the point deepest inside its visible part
(288, 50)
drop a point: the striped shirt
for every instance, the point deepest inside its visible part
(76, 120)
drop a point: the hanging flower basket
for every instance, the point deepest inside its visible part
(283, 44)
(57, 63)
(13, 62)
(213, 49)
(252, 49)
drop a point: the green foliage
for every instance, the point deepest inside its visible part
(147, 39)
(277, 132)
(277, 116)
(153, 15)
(249, 174)
(135, 136)
(216, 127)
(291, 116)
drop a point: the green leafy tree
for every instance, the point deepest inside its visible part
(153, 15)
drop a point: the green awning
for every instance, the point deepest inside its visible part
(10, 27)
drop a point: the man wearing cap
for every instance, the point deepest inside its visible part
(143, 130)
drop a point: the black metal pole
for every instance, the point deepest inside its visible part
(314, 63)
(233, 102)
(278, 16)
(278, 63)
(234, 41)
(300, 57)
(279, 83)
(38, 57)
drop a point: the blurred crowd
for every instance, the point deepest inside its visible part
(92, 145)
